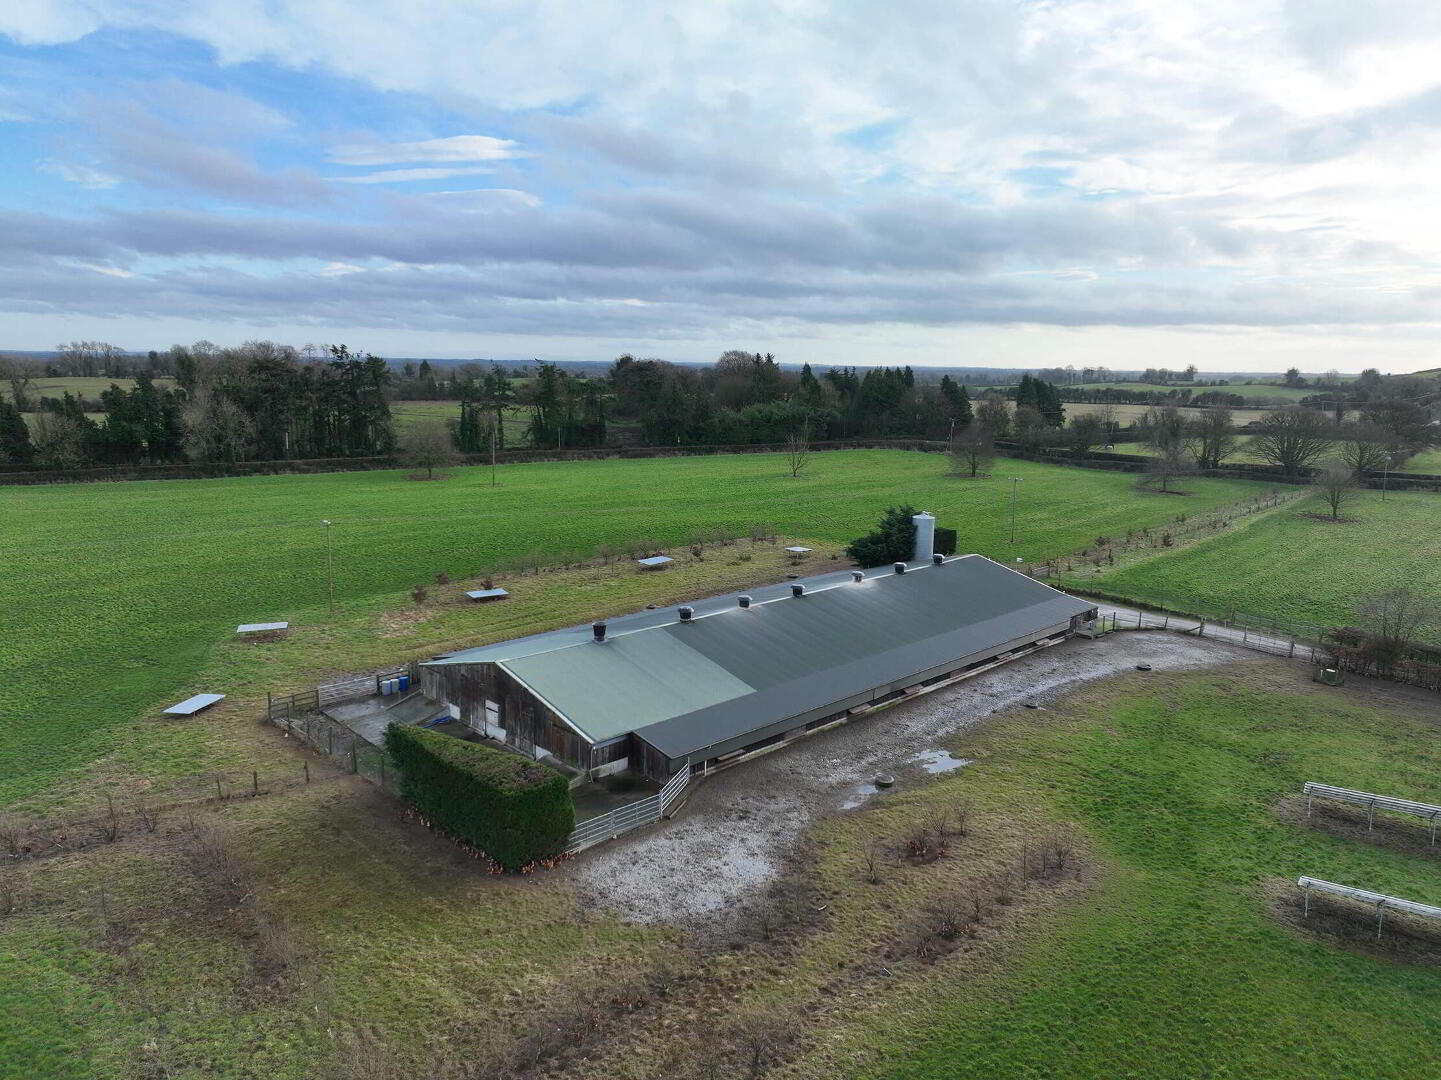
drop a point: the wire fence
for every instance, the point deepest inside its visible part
(136, 810)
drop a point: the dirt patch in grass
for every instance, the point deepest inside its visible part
(1407, 835)
(1346, 924)
(394, 624)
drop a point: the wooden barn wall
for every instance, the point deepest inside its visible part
(648, 761)
(527, 721)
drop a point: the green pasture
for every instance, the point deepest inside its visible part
(408, 414)
(83, 386)
(1175, 966)
(1297, 567)
(120, 592)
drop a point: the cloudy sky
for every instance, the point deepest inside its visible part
(1240, 184)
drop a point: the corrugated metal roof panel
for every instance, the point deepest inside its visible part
(629, 682)
(712, 725)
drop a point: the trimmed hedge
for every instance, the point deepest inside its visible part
(515, 810)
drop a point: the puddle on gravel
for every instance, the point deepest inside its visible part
(933, 761)
(939, 761)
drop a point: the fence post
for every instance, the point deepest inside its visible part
(354, 762)
(254, 782)
(305, 765)
(382, 772)
(330, 739)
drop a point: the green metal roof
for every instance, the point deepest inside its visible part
(627, 683)
(689, 686)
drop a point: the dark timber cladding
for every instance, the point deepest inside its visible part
(728, 679)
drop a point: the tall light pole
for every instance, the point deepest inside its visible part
(329, 568)
(1015, 480)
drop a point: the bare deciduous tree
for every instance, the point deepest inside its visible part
(1337, 485)
(1083, 433)
(1394, 618)
(58, 441)
(973, 450)
(1293, 438)
(994, 414)
(1166, 466)
(19, 373)
(428, 446)
(798, 450)
(1364, 448)
(1210, 438)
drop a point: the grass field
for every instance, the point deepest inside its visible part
(1428, 461)
(1173, 967)
(1129, 414)
(1284, 564)
(407, 414)
(125, 962)
(120, 593)
(1269, 390)
(83, 386)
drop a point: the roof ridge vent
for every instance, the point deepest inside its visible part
(900, 568)
(858, 576)
(686, 613)
(597, 630)
(744, 600)
(938, 559)
(797, 589)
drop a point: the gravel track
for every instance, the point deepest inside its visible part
(740, 827)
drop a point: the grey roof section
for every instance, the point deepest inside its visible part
(643, 620)
(687, 686)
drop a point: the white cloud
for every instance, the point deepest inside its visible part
(452, 148)
(813, 165)
(340, 269)
(486, 198)
(396, 176)
(79, 174)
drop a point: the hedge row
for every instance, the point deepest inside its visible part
(515, 810)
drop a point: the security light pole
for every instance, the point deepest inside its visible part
(1015, 480)
(329, 568)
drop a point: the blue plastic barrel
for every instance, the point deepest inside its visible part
(405, 682)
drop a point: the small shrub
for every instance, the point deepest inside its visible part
(442, 578)
(419, 594)
(1167, 540)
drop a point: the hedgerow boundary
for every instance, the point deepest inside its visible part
(17, 475)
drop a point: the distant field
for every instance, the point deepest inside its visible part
(118, 593)
(407, 414)
(1299, 568)
(84, 387)
(1427, 462)
(1129, 414)
(1271, 390)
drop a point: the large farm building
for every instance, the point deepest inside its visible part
(697, 686)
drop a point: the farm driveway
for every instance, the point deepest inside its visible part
(741, 826)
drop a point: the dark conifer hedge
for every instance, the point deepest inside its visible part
(893, 541)
(945, 541)
(516, 811)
